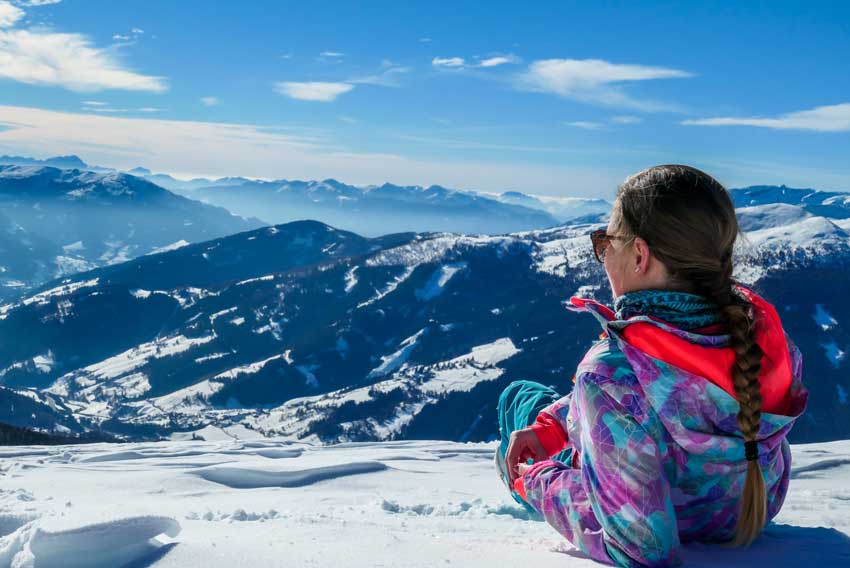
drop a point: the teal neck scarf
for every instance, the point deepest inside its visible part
(681, 309)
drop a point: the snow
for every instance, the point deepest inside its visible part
(390, 363)
(173, 246)
(192, 397)
(461, 374)
(68, 265)
(44, 298)
(429, 249)
(218, 314)
(816, 232)
(390, 287)
(212, 356)
(309, 378)
(42, 363)
(833, 353)
(823, 318)
(461, 379)
(421, 503)
(350, 279)
(124, 364)
(436, 284)
(258, 279)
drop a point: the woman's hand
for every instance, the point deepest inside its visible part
(523, 444)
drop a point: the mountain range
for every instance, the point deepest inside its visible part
(311, 332)
(55, 222)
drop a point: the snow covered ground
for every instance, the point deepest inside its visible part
(268, 502)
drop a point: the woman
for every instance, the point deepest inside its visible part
(676, 427)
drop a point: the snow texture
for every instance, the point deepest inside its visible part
(274, 502)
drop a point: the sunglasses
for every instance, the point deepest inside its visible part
(600, 240)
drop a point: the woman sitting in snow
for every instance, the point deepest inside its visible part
(676, 427)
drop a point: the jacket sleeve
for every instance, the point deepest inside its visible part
(556, 412)
(550, 433)
(616, 507)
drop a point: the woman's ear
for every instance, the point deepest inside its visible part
(641, 254)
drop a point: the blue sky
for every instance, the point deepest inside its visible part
(560, 98)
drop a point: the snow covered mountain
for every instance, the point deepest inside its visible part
(314, 333)
(235, 500)
(824, 203)
(375, 210)
(562, 208)
(55, 222)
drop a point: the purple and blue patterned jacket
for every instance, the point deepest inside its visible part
(658, 452)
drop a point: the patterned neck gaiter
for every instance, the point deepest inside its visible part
(681, 309)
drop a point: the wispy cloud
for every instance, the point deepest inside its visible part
(349, 119)
(129, 38)
(604, 124)
(312, 90)
(830, 118)
(462, 63)
(424, 40)
(595, 81)
(190, 148)
(452, 62)
(388, 75)
(333, 54)
(68, 60)
(626, 119)
(94, 103)
(40, 2)
(100, 107)
(498, 60)
(586, 125)
(210, 101)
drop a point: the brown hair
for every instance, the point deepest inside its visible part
(688, 220)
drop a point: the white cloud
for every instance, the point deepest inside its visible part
(109, 110)
(211, 101)
(312, 90)
(595, 81)
(121, 37)
(187, 148)
(94, 103)
(9, 14)
(498, 60)
(830, 118)
(586, 125)
(448, 62)
(137, 31)
(331, 54)
(625, 119)
(461, 63)
(387, 76)
(66, 60)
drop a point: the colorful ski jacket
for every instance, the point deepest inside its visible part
(658, 454)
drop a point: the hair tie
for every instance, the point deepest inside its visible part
(751, 450)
